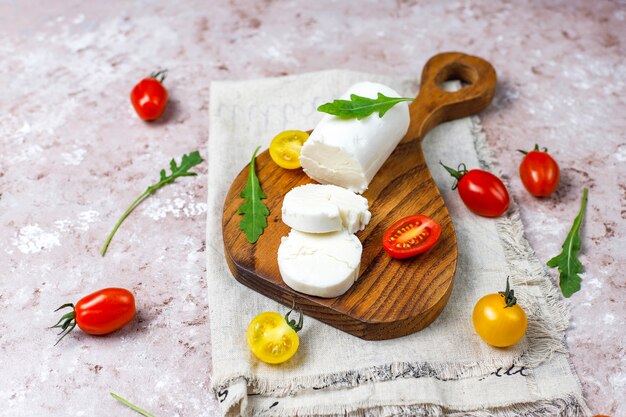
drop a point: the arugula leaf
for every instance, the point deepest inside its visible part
(254, 211)
(360, 107)
(131, 405)
(182, 170)
(567, 262)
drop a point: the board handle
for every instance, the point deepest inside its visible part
(433, 105)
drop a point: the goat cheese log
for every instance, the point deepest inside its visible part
(349, 152)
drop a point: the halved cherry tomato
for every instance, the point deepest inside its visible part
(411, 236)
(481, 191)
(149, 97)
(274, 338)
(539, 172)
(99, 313)
(286, 146)
(499, 320)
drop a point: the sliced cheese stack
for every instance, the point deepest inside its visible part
(321, 256)
(349, 152)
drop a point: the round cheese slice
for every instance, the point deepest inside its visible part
(316, 208)
(324, 265)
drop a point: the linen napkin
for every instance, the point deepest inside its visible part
(445, 369)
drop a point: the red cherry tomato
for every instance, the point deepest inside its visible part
(149, 97)
(99, 313)
(411, 236)
(481, 191)
(539, 172)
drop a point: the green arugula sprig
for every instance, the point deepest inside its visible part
(254, 211)
(567, 261)
(131, 405)
(182, 170)
(360, 107)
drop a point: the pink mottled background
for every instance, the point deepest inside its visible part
(73, 154)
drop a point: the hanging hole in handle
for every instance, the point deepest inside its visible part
(456, 71)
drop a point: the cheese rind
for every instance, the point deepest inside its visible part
(324, 265)
(349, 152)
(315, 208)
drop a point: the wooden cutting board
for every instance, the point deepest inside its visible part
(391, 298)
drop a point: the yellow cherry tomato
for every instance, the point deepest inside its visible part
(285, 148)
(273, 338)
(498, 319)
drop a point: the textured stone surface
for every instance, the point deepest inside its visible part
(73, 154)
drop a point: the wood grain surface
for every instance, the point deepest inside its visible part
(391, 298)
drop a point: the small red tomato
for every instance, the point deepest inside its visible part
(539, 172)
(99, 313)
(149, 97)
(481, 191)
(411, 236)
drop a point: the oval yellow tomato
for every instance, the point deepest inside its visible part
(286, 146)
(273, 338)
(498, 319)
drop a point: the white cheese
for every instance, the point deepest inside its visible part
(349, 152)
(315, 208)
(324, 265)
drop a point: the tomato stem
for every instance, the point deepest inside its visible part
(292, 323)
(66, 323)
(159, 75)
(457, 173)
(535, 149)
(509, 295)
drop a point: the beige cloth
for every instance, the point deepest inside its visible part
(442, 370)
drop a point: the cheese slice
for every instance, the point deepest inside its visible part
(316, 208)
(349, 152)
(324, 265)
